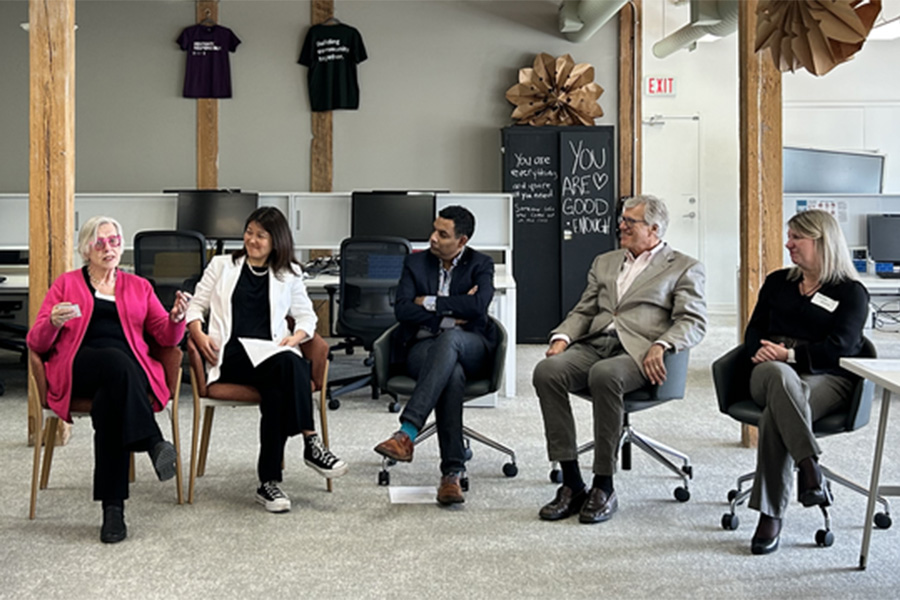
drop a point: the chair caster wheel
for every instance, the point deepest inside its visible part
(883, 520)
(824, 537)
(464, 483)
(732, 494)
(556, 476)
(730, 521)
(384, 478)
(682, 494)
(334, 403)
(468, 454)
(394, 407)
(510, 469)
(349, 351)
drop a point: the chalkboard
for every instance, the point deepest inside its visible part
(531, 175)
(587, 205)
(563, 187)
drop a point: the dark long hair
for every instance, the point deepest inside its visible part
(281, 258)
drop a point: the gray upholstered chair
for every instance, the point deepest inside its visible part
(731, 376)
(396, 385)
(642, 399)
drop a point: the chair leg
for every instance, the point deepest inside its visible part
(49, 445)
(656, 449)
(852, 485)
(490, 443)
(176, 441)
(204, 440)
(323, 416)
(41, 437)
(131, 467)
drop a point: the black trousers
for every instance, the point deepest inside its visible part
(283, 382)
(121, 413)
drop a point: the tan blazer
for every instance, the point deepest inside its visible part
(666, 302)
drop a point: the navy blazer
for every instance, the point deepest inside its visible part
(420, 278)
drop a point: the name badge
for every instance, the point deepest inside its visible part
(825, 302)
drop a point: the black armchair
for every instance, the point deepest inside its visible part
(731, 375)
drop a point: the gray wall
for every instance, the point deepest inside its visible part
(432, 93)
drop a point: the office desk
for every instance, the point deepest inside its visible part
(884, 373)
(503, 308)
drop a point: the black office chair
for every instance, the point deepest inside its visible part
(731, 376)
(401, 384)
(12, 335)
(642, 399)
(370, 268)
(171, 259)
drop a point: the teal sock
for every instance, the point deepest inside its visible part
(409, 429)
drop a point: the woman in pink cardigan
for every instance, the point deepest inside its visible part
(90, 333)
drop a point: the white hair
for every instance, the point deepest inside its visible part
(87, 235)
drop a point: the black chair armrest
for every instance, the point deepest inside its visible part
(726, 371)
(381, 350)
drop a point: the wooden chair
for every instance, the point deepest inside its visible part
(169, 356)
(209, 397)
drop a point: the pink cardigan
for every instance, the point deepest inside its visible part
(139, 311)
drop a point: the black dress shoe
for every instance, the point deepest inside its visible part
(598, 507)
(113, 529)
(817, 495)
(764, 546)
(566, 504)
(163, 457)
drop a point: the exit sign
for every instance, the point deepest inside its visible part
(659, 86)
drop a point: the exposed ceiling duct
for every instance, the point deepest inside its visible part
(580, 19)
(713, 17)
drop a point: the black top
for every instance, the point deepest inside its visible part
(105, 328)
(822, 328)
(250, 305)
(332, 52)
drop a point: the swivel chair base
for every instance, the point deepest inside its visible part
(510, 469)
(825, 536)
(656, 449)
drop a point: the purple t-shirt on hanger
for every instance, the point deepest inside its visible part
(208, 72)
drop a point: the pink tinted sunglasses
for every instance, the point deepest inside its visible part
(113, 241)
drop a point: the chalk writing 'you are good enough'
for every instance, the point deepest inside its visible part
(583, 200)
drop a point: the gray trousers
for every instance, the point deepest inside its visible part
(604, 368)
(791, 403)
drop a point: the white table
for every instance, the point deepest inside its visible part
(503, 308)
(886, 374)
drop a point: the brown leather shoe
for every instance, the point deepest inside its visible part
(564, 505)
(450, 491)
(598, 507)
(397, 447)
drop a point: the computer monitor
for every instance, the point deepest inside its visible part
(883, 234)
(408, 215)
(217, 214)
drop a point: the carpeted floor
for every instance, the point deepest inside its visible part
(353, 543)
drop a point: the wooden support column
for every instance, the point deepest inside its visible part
(321, 169)
(207, 119)
(761, 178)
(52, 156)
(630, 61)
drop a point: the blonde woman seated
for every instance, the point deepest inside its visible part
(246, 297)
(807, 317)
(90, 330)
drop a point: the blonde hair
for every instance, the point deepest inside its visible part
(831, 248)
(87, 235)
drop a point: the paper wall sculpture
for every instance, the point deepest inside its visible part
(556, 91)
(817, 35)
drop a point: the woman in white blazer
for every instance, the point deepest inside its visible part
(246, 298)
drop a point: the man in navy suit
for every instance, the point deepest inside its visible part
(444, 337)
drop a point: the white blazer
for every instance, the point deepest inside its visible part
(213, 298)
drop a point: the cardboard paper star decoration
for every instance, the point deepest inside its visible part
(556, 91)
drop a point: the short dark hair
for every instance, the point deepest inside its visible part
(463, 220)
(272, 220)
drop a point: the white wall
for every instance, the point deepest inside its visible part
(855, 107)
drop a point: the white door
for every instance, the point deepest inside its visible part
(671, 172)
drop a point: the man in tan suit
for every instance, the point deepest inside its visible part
(641, 301)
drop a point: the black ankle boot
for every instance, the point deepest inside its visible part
(113, 529)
